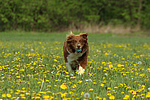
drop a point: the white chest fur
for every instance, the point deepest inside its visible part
(73, 56)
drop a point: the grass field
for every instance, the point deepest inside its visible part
(32, 67)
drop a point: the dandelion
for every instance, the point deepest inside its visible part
(110, 66)
(126, 97)
(86, 95)
(134, 92)
(3, 95)
(18, 76)
(108, 93)
(108, 88)
(106, 54)
(91, 90)
(112, 97)
(22, 70)
(46, 96)
(55, 60)
(104, 98)
(74, 86)
(120, 65)
(8, 95)
(63, 95)
(104, 81)
(68, 99)
(82, 93)
(149, 88)
(63, 86)
(148, 95)
(139, 62)
(115, 87)
(79, 82)
(148, 69)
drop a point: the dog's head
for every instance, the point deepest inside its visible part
(77, 43)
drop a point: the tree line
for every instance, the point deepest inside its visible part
(52, 15)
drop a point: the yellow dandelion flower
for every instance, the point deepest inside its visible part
(18, 76)
(120, 65)
(90, 89)
(109, 88)
(143, 86)
(103, 62)
(63, 95)
(115, 87)
(21, 70)
(8, 95)
(90, 61)
(112, 97)
(104, 98)
(134, 92)
(97, 97)
(79, 82)
(123, 58)
(104, 81)
(68, 99)
(126, 97)
(94, 83)
(27, 93)
(106, 54)
(148, 95)
(39, 82)
(23, 91)
(55, 60)
(31, 67)
(148, 69)
(63, 86)
(82, 93)
(46, 96)
(3, 95)
(110, 66)
(74, 86)
(67, 76)
(102, 85)
(23, 97)
(108, 93)
(37, 97)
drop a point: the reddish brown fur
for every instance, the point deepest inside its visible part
(71, 43)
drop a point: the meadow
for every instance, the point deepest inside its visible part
(32, 67)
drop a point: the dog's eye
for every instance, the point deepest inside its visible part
(81, 41)
(74, 41)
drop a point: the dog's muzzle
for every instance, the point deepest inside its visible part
(78, 49)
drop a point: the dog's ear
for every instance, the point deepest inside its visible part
(70, 37)
(69, 34)
(84, 35)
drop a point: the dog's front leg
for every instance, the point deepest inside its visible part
(81, 70)
(68, 67)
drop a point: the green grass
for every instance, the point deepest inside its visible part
(32, 67)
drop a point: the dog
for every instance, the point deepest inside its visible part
(76, 51)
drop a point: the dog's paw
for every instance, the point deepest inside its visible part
(81, 70)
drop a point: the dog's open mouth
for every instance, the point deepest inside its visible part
(79, 50)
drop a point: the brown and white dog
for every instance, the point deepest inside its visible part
(75, 52)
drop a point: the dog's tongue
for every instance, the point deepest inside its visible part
(79, 50)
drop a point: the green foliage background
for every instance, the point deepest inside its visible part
(52, 15)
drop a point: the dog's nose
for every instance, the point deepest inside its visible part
(78, 46)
